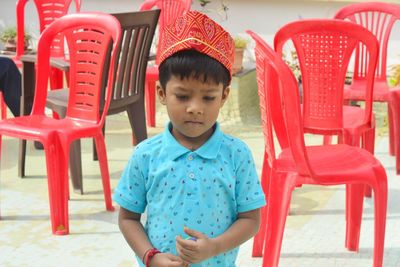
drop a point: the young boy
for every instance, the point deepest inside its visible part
(199, 185)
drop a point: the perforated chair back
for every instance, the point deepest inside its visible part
(324, 48)
(89, 46)
(378, 18)
(271, 89)
(48, 11)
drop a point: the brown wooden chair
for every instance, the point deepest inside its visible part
(128, 90)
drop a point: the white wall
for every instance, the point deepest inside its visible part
(262, 16)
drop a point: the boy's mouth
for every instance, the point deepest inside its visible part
(193, 122)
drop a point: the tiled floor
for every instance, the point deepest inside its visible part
(314, 234)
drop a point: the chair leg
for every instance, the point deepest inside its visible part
(280, 192)
(22, 157)
(102, 154)
(380, 202)
(392, 140)
(57, 178)
(95, 157)
(75, 165)
(368, 143)
(354, 201)
(75, 160)
(67, 77)
(150, 93)
(367, 191)
(259, 238)
(327, 139)
(394, 105)
(136, 115)
(56, 79)
(56, 82)
(368, 140)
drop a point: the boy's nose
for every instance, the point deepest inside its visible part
(195, 108)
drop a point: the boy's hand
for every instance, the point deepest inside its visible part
(195, 251)
(167, 260)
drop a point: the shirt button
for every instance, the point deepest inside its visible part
(190, 157)
(191, 175)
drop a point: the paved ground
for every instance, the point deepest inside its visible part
(314, 234)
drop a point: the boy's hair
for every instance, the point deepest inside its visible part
(193, 64)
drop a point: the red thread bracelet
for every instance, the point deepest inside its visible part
(150, 254)
(144, 256)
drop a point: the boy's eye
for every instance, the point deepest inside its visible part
(182, 97)
(209, 98)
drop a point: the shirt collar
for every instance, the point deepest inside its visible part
(208, 150)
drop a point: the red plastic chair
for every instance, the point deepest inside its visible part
(89, 37)
(170, 10)
(356, 123)
(323, 75)
(300, 164)
(395, 106)
(324, 55)
(3, 107)
(48, 11)
(379, 18)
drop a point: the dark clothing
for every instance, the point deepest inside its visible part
(10, 84)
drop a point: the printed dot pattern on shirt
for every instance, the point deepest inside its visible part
(204, 189)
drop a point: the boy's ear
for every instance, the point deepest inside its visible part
(161, 94)
(225, 94)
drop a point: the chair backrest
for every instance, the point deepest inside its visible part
(324, 48)
(280, 104)
(132, 56)
(48, 11)
(170, 11)
(379, 18)
(92, 40)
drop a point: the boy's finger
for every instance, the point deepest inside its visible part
(187, 244)
(193, 233)
(185, 259)
(175, 258)
(182, 251)
(177, 264)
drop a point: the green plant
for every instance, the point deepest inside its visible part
(10, 33)
(203, 3)
(240, 42)
(293, 62)
(395, 75)
(221, 9)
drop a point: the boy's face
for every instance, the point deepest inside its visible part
(193, 107)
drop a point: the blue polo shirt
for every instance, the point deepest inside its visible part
(203, 189)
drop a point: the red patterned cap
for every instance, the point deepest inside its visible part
(194, 30)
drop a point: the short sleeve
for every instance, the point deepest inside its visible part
(131, 190)
(249, 194)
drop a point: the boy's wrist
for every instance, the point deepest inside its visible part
(144, 255)
(216, 247)
(149, 254)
